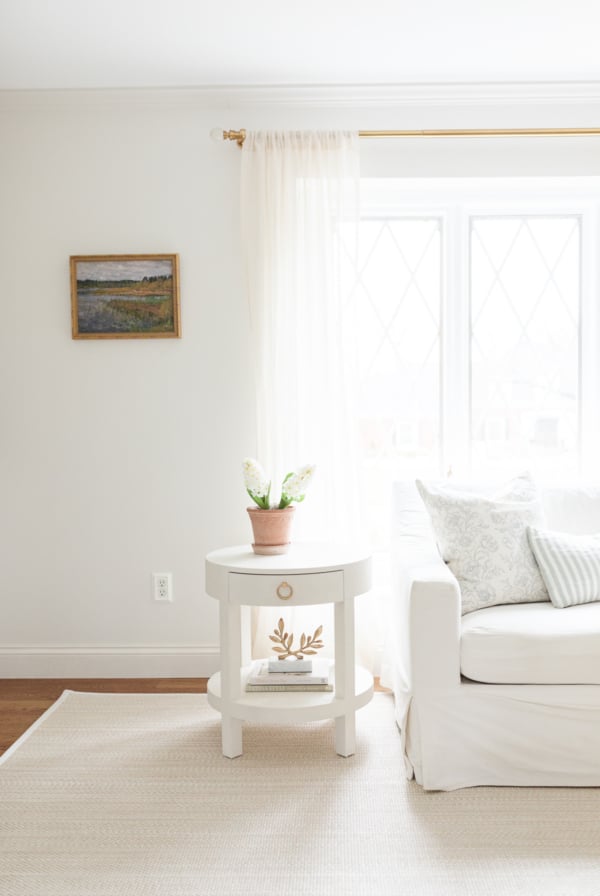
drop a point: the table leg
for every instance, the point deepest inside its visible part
(345, 726)
(246, 631)
(231, 736)
(345, 734)
(230, 637)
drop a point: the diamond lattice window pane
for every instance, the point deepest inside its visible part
(398, 306)
(397, 300)
(525, 301)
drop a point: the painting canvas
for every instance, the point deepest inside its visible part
(124, 296)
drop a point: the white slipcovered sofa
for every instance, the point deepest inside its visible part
(506, 695)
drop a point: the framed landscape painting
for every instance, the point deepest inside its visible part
(125, 296)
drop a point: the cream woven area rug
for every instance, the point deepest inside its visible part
(125, 795)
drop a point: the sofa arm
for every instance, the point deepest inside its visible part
(424, 646)
(434, 628)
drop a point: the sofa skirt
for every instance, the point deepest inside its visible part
(510, 735)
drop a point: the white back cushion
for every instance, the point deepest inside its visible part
(567, 509)
(572, 509)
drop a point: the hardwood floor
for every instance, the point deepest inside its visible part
(23, 700)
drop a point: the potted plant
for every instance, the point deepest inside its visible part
(271, 524)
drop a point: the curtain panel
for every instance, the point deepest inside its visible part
(299, 211)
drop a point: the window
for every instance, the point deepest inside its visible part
(525, 298)
(475, 302)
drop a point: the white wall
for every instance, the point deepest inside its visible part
(118, 457)
(122, 457)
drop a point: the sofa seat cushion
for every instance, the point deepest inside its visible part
(532, 644)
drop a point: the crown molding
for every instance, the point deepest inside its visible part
(514, 93)
(357, 95)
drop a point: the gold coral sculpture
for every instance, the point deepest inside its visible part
(285, 640)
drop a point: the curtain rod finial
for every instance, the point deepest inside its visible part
(238, 136)
(217, 134)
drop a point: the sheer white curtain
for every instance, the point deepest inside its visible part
(298, 190)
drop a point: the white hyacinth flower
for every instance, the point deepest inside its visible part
(295, 484)
(256, 482)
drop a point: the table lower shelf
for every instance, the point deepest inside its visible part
(289, 707)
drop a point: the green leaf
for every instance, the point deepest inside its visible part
(261, 500)
(254, 498)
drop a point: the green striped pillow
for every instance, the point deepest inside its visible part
(569, 564)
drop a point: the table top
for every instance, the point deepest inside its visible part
(303, 557)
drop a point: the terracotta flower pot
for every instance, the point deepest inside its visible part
(271, 529)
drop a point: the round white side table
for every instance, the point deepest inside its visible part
(308, 574)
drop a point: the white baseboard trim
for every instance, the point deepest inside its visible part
(56, 661)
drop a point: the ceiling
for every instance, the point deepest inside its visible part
(191, 43)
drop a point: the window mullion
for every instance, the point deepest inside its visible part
(456, 346)
(589, 340)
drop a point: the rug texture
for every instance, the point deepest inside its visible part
(126, 795)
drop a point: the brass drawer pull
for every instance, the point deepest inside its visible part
(284, 591)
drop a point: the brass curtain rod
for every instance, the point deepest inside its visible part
(240, 136)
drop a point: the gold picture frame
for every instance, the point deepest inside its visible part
(125, 297)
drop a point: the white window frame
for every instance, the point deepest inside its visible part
(455, 202)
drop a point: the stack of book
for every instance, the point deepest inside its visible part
(319, 678)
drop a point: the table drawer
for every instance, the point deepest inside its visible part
(298, 589)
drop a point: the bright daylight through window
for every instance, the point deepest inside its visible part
(475, 303)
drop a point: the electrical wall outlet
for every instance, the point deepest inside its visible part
(162, 586)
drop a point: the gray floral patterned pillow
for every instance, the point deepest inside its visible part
(484, 542)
